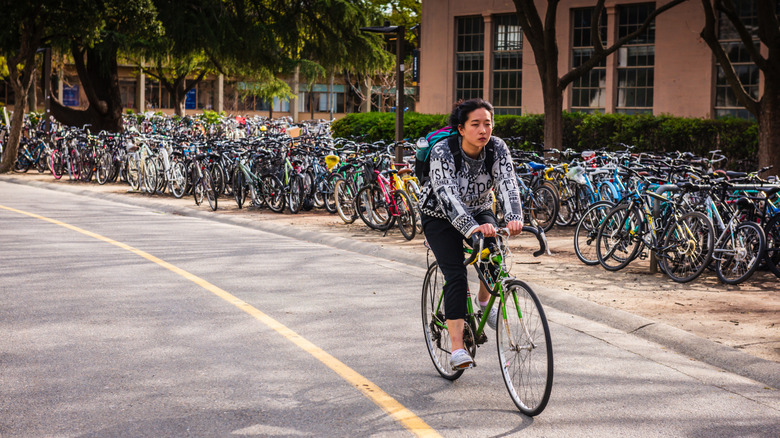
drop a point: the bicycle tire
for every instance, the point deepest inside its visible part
(295, 194)
(239, 193)
(684, 257)
(178, 183)
(618, 242)
(586, 231)
(524, 346)
(133, 173)
(150, 175)
(55, 164)
(544, 205)
(372, 208)
(103, 168)
(738, 264)
(329, 192)
(273, 193)
(772, 254)
(345, 201)
(566, 213)
(437, 338)
(209, 189)
(406, 220)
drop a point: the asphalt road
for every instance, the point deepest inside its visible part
(164, 325)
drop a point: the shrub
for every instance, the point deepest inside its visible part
(736, 138)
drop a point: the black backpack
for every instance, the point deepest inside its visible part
(422, 163)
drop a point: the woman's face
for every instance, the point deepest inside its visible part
(477, 129)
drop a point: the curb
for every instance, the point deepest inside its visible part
(703, 350)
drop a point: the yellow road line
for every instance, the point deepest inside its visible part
(382, 399)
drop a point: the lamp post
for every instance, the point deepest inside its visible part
(399, 32)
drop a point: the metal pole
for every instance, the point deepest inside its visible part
(399, 101)
(47, 87)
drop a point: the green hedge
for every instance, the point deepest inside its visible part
(737, 138)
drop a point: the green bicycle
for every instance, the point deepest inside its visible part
(522, 334)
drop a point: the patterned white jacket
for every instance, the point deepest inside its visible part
(459, 196)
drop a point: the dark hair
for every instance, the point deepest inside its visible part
(461, 110)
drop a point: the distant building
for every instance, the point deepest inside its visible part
(477, 49)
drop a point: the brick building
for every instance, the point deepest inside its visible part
(477, 49)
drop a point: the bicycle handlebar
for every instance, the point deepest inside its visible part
(479, 237)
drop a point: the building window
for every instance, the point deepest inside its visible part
(726, 103)
(7, 93)
(635, 61)
(127, 92)
(469, 54)
(588, 93)
(507, 64)
(205, 95)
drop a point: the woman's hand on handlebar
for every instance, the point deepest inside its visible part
(514, 227)
(487, 229)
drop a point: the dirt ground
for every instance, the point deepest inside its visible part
(745, 316)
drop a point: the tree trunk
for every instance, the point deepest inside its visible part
(769, 129)
(100, 80)
(180, 99)
(21, 85)
(553, 116)
(15, 134)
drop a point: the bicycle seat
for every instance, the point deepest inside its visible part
(536, 166)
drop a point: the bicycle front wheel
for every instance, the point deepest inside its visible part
(525, 348)
(407, 222)
(587, 230)
(437, 338)
(686, 248)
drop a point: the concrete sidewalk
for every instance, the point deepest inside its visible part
(701, 349)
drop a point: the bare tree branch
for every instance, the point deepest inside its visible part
(710, 37)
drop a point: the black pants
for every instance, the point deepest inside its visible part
(447, 245)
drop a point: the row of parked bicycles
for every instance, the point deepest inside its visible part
(677, 209)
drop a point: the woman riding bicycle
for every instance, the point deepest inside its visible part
(456, 204)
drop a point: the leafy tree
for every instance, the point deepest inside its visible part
(203, 37)
(95, 32)
(23, 30)
(543, 39)
(766, 108)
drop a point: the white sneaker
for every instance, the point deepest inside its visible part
(492, 320)
(460, 360)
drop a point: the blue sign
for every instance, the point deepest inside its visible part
(70, 95)
(192, 99)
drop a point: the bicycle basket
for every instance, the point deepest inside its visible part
(576, 174)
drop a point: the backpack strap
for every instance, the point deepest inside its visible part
(490, 153)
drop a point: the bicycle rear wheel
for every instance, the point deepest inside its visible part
(618, 240)
(208, 188)
(372, 208)
(437, 338)
(772, 256)
(344, 195)
(742, 252)
(525, 349)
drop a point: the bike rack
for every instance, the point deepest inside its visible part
(656, 214)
